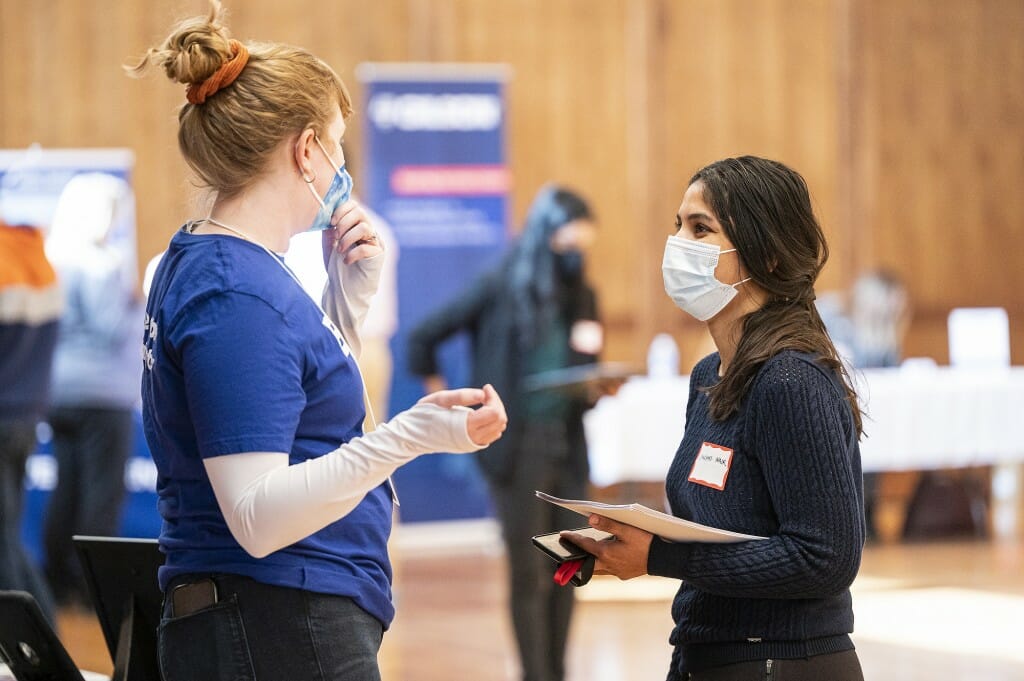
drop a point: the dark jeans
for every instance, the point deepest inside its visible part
(270, 633)
(842, 666)
(541, 610)
(17, 570)
(91, 447)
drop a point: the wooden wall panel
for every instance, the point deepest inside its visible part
(734, 77)
(903, 116)
(939, 115)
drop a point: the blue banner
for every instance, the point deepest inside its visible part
(435, 169)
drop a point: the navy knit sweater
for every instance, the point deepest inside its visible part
(795, 478)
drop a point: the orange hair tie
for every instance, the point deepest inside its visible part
(222, 77)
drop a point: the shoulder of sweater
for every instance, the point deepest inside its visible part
(705, 369)
(789, 370)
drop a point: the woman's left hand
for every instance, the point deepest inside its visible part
(487, 422)
(625, 556)
(352, 235)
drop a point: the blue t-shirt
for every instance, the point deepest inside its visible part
(238, 358)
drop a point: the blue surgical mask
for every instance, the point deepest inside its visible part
(337, 194)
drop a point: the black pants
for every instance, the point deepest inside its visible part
(258, 631)
(17, 570)
(91, 447)
(541, 610)
(842, 666)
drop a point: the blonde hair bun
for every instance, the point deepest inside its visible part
(243, 101)
(194, 50)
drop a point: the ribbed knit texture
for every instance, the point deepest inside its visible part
(795, 478)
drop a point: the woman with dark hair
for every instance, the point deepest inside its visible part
(770, 447)
(533, 313)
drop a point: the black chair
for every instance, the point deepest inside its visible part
(122, 579)
(28, 644)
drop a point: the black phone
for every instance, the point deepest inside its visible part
(563, 550)
(193, 597)
(28, 643)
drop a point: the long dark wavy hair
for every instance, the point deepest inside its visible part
(765, 209)
(533, 279)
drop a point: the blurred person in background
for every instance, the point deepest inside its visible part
(868, 323)
(868, 326)
(30, 306)
(879, 317)
(97, 371)
(533, 313)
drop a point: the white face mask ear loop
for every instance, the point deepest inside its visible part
(373, 421)
(337, 168)
(309, 182)
(733, 250)
(366, 393)
(309, 186)
(366, 399)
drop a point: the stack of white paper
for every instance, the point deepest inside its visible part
(664, 525)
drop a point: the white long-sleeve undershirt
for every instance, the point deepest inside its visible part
(348, 293)
(269, 504)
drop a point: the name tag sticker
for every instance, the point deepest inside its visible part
(711, 467)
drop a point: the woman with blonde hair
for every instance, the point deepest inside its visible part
(276, 507)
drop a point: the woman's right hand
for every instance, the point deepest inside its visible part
(484, 424)
(351, 234)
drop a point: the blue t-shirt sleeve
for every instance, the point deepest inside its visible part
(243, 371)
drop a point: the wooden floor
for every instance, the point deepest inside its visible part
(950, 611)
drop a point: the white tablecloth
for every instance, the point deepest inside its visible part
(915, 419)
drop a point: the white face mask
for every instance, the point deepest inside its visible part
(689, 273)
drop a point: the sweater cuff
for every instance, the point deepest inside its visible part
(668, 559)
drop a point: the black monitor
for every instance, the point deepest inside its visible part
(28, 643)
(122, 578)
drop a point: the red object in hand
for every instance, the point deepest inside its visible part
(566, 570)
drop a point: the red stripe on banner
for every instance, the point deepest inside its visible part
(450, 180)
